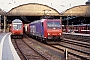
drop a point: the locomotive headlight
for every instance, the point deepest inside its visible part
(45, 37)
(60, 33)
(48, 33)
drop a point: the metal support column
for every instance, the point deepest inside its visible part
(67, 25)
(61, 18)
(0, 23)
(4, 23)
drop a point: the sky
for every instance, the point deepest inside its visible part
(59, 5)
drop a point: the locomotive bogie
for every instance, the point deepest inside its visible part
(16, 36)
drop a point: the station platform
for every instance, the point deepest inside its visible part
(7, 51)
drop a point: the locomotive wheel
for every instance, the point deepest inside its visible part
(59, 39)
(45, 41)
(35, 37)
(41, 39)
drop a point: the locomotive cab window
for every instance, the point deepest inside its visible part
(17, 26)
(53, 24)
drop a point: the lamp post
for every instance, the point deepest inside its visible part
(67, 24)
(5, 23)
(0, 23)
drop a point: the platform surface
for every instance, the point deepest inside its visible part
(7, 51)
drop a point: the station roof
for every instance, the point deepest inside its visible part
(33, 9)
(2, 12)
(81, 10)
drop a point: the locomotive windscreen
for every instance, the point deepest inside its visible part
(53, 25)
(17, 26)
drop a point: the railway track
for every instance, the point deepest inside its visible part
(31, 49)
(46, 51)
(21, 53)
(28, 52)
(75, 42)
(76, 48)
(77, 37)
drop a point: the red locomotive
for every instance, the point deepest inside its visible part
(46, 29)
(17, 28)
